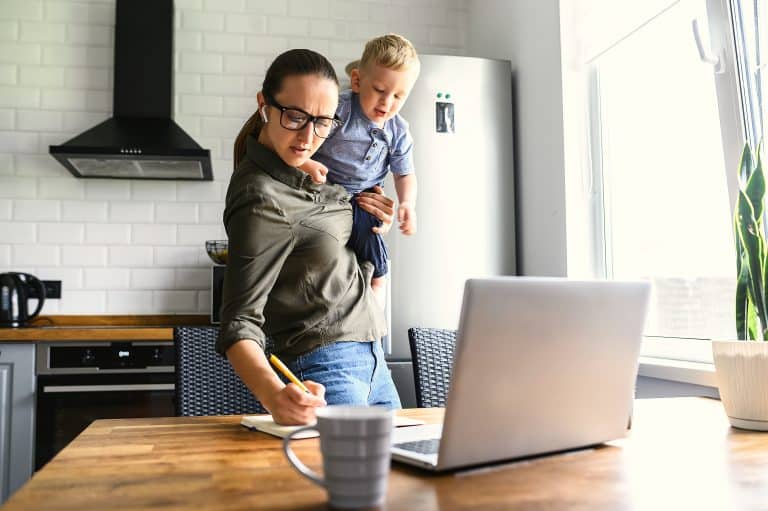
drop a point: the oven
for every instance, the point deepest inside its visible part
(78, 383)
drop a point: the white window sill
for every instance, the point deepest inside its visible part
(696, 373)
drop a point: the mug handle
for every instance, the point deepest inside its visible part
(296, 462)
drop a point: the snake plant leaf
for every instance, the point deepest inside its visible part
(751, 322)
(755, 190)
(745, 164)
(737, 239)
(746, 314)
(758, 174)
(751, 248)
(751, 240)
(743, 304)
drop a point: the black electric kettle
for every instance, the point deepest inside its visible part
(14, 292)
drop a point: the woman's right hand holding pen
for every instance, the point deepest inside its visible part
(291, 405)
(288, 404)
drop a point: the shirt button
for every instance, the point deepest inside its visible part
(375, 131)
(367, 157)
(374, 144)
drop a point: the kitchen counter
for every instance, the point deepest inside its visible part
(101, 328)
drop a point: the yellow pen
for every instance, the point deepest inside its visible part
(287, 373)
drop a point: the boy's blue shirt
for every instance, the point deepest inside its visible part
(360, 154)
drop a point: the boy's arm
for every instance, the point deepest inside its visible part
(315, 169)
(405, 186)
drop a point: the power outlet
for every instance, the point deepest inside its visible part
(52, 289)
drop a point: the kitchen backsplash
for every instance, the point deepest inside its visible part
(124, 246)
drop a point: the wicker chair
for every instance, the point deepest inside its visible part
(432, 352)
(206, 384)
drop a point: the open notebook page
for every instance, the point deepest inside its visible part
(264, 423)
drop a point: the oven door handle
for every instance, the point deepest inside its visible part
(58, 389)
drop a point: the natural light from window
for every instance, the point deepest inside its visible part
(666, 211)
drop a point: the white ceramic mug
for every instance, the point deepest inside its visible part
(355, 443)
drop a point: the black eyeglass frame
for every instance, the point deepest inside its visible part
(335, 120)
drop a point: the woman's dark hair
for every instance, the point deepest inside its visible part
(290, 63)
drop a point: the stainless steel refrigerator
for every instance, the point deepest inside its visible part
(460, 116)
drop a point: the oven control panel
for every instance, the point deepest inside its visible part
(105, 356)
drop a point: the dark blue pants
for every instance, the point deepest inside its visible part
(367, 245)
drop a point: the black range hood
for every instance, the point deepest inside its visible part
(141, 140)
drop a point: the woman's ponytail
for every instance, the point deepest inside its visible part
(252, 126)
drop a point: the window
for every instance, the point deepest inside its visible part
(750, 22)
(667, 122)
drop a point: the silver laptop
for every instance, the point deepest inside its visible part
(542, 365)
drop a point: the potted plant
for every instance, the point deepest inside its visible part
(742, 366)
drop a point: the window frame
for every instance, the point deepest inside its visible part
(732, 111)
(721, 21)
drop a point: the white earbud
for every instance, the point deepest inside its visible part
(263, 113)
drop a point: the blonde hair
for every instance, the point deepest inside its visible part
(392, 51)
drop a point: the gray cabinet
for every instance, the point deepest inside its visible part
(17, 416)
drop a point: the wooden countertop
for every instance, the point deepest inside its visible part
(681, 454)
(101, 328)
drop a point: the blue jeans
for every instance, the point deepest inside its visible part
(353, 373)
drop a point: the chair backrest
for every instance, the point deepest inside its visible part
(432, 353)
(206, 384)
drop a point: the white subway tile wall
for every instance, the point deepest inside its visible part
(137, 247)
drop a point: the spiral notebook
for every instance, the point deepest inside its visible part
(265, 424)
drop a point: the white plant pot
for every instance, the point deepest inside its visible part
(742, 378)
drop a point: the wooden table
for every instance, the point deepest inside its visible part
(681, 455)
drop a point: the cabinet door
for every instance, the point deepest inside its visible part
(17, 406)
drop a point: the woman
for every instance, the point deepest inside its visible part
(290, 275)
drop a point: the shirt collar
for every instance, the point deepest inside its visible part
(273, 165)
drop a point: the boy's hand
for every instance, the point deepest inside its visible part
(406, 215)
(316, 170)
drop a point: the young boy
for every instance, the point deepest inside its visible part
(373, 140)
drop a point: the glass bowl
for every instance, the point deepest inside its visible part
(217, 250)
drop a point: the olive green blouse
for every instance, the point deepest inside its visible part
(290, 275)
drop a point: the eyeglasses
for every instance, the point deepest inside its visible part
(295, 119)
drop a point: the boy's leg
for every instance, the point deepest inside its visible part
(369, 246)
(379, 288)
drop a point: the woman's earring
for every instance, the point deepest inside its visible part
(263, 113)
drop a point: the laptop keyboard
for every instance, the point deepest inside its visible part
(430, 446)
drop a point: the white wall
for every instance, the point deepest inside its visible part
(528, 34)
(137, 246)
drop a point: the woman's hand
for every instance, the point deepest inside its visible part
(380, 206)
(288, 404)
(291, 405)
